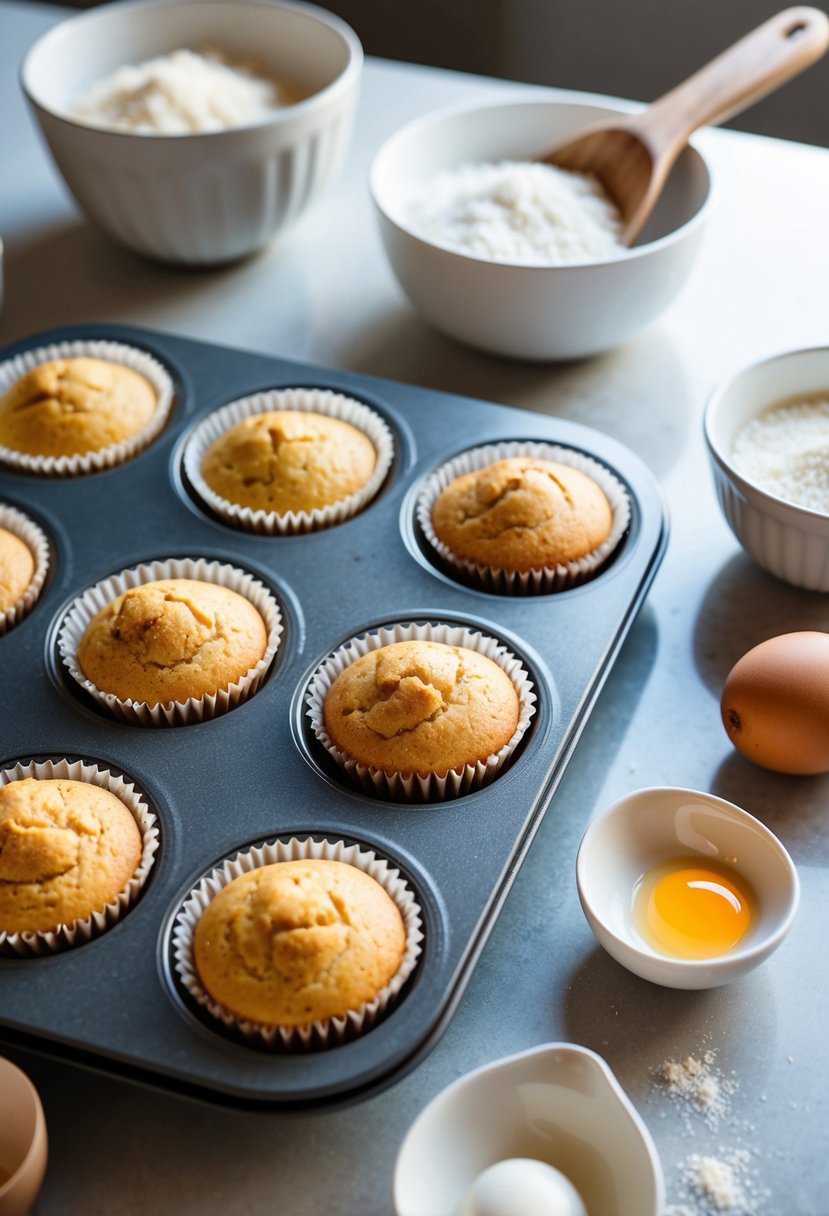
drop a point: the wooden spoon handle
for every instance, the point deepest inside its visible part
(756, 65)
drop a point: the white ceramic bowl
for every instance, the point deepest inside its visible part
(559, 1104)
(23, 1143)
(203, 198)
(789, 541)
(531, 312)
(654, 825)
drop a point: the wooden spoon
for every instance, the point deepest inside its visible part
(632, 155)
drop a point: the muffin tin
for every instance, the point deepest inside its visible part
(256, 773)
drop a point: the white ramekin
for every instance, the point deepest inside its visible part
(789, 541)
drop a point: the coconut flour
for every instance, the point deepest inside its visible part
(785, 451)
(182, 93)
(518, 212)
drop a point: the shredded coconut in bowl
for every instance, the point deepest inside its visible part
(518, 212)
(182, 93)
(785, 450)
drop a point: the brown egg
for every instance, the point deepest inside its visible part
(775, 703)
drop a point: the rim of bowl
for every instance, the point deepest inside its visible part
(752, 488)
(537, 94)
(505, 1062)
(340, 83)
(739, 954)
(39, 1123)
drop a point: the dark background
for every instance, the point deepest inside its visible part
(627, 48)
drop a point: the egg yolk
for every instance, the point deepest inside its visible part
(692, 910)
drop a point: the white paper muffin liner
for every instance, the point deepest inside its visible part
(546, 579)
(421, 787)
(315, 401)
(317, 1034)
(80, 931)
(195, 709)
(105, 458)
(34, 538)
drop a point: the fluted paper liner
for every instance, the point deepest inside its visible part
(114, 454)
(421, 787)
(33, 537)
(545, 579)
(195, 709)
(315, 401)
(321, 1033)
(80, 931)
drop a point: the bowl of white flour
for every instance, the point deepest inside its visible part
(516, 257)
(767, 432)
(193, 133)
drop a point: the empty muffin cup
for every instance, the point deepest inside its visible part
(189, 709)
(543, 579)
(315, 1034)
(33, 537)
(109, 454)
(416, 784)
(343, 490)
(65, 936)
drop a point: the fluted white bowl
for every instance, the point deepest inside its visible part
(789, 541)
(533, 312)
(210, 197)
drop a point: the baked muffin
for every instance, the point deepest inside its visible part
(17, 567)
(522, 514)
(67, 407)
(289, 460)
(67, 849)
(421, 707)
(170, 640)
(298, 941)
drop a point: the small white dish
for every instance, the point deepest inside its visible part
(521, 311)
(789, 541)
(23, 1143)
(651, 826)
(559, 1104)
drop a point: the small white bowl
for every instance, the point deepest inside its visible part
(209, 197)
(789, 541)
(23, 1142)
(531, 312)
(651, 826)
(559, 1104)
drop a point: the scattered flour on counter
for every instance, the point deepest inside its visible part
(721, 1184)
(718, 1182)
(699, 1085)
(519, 212)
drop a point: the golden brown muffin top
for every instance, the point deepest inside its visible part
(68, 407)
(289, 460)
(67, 849)
(522, 514)
(170, 640)
(297, 941)
(17, 567)
(421, 707)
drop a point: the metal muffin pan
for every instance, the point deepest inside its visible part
(256, 773)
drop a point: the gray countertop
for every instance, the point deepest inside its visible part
(324, 294)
